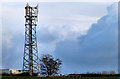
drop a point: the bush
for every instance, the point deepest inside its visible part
(25, 74)
(5, 74)
(35, 74)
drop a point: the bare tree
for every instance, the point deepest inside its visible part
(49, 66)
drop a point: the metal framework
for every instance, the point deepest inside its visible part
(30, 59)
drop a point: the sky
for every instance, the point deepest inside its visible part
(84, 35)
(59, 1)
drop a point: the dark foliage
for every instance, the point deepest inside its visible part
(49, 66)
(35, 74)
(5, 74)
(25, 74)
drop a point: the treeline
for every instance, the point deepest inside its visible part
(103, 72)
(88, 74)
(94, 74)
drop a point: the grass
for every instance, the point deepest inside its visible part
(21, 77)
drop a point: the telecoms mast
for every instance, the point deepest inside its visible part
(30, 59)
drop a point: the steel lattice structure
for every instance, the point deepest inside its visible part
(30, 59)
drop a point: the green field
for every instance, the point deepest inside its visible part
(19, 77)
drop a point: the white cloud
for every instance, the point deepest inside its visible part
(7, 39)
(13, 19)
(12, 23)
(65, 22)
(96, 51)
(62, 24)
(54, 25)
